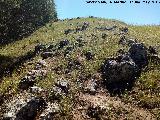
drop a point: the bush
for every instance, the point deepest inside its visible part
(22, 17)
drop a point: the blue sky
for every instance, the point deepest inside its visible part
(140, 14)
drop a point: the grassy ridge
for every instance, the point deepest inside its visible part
(146, 91)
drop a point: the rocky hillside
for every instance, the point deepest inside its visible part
(82, 68)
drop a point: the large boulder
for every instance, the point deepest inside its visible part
(120, 69)
(24, 109)
(138, 52)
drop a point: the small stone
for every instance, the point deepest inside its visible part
(89, 55)
(122, 40)
(50, 111)
(94, 112)
(73, 64)
(66, 32)
(40, 48)
(46, 55)
(26, 83)
(63, 84)
(104, 35)
(63, 43)
(56, 94)
(130, 42)
(68, 50)
(124, 29)
(91, 87)
(42, 63)
(152, 50)
(35, 89)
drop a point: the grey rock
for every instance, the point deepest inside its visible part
(63, 43)
(36, 89)
(106, 28)
(66, 32)
(26, 83)
(79, 42)
(41, 63)
(130, 42)
(138, 52)
(104, 35)
(22, 108)
(85, 26)
(39, 48)
(124, 29)
(74, 64)
(46, 55)
(30, 110)
(55, 94)
(91, 87)
(122, 69)
(152, 50)
(29, 80)
(68, 50)
(63, 84)
(122, 40)
(89, 55)
(50, 111)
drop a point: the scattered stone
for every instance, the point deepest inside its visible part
(50, 111)
(66, 32)
(63, 84)
(63, 43)
(120, 69)
(152, 50)
(106, 28)
(110, 28)
(68, 50)
(121, 52)
(51, 48)
(30, 78)
(138, 52)
(31, 109)
(56, 94)
(154, 58)
(73, 64)
(26, 82)
(130, 42)
(41, 63)
(89, 55)
(104, 35)
(40, 48)
(36, 89)
(94, 112)
(91, 87)
(122, 40)
(58, 70)
(46, 55)
(85, 26)
(124, 29)
(80, 42)
(24, 109)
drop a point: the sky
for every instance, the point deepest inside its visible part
(131, 13)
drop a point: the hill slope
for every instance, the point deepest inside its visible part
(69, 82)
